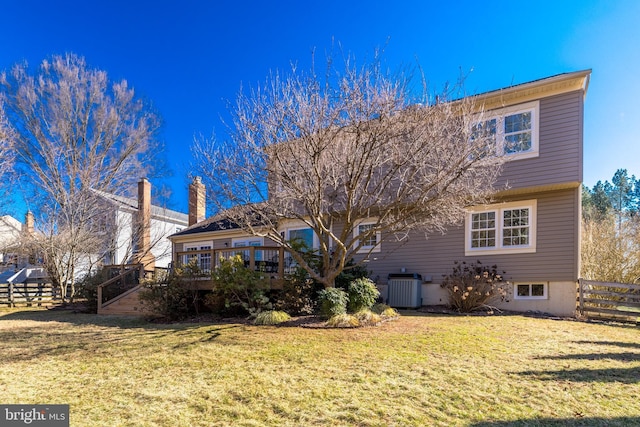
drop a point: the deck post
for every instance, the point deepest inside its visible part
(252, 258)
(99, 297)
(281, 262)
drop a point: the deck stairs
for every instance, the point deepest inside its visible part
(120, 295)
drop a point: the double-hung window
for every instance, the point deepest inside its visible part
(512, 131)
(502, 228)
(367, 237)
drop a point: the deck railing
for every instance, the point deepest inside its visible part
(119, 280)
(273, 260)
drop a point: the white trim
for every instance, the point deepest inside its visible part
(296, 224)
(356, 233)
(500, 114)
(244, 242)
(247, 241)
(499, 248)
(530, 284)
(204, 260)
(197, 246)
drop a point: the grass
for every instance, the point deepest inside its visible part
(418, 370)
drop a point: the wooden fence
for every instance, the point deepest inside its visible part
(609, 300)
(30, 293)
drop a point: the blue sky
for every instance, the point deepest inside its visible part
(189, 58)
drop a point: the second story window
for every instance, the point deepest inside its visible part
(511, 131)
(517, 133)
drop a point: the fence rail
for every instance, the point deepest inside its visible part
(609, 300)
(29, 293)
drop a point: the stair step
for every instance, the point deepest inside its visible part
(127, 304)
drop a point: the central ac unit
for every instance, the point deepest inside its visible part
(404, 290)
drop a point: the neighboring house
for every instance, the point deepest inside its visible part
(130, 240)
(12, 234)
(10, 231)
(532, 232)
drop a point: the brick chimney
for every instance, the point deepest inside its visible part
(143, 254)
(197, 209)
(29, 223)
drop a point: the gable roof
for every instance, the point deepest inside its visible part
(536, 89)
(131, 204)
(220, 222)
(215, 223)
(11, 222)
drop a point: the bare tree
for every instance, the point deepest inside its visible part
(355, 145)
(75, 131)
(610, 248)
(7, 152)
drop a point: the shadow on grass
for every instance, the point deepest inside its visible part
(109, 321)
(565, 422)
(620, 375)
(623, 357)
(75, 318)
(612, 343)
(76, 335)
(63, 332)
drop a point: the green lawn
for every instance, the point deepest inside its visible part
(419, 370)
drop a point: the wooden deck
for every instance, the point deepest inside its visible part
(120, 290)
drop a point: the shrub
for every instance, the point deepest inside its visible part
(298, 294)
(176, 297)
(343, 321)
(471, 287)
(362, 294)
(333, 301)
(271, 317)
(351, 273)
(367, 317)
(385, 311)
(239, 286)
(88, 290)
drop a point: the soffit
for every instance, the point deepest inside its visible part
(555, 85)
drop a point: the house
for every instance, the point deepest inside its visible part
(137, 230)
(137, 241)
(532, 231)
(205, 240)
(12, 233)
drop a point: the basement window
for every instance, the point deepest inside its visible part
(536, 290)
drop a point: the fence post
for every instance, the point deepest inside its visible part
(11, 304)
(581, 293)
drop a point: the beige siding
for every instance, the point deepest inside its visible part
(555, 259)
(560, 151)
